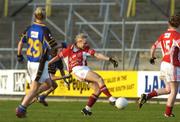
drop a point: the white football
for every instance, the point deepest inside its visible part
(121, 103)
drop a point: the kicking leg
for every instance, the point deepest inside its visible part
(51, 85)
(144, 97)
(43, 87)
(92, 99)
(21, 109)
(93, 76)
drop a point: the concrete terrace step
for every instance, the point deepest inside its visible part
(145, 11)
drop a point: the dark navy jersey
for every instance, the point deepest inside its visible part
(38, 39)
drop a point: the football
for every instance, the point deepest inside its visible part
(121, 103)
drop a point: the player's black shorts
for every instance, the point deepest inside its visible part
(56, 65)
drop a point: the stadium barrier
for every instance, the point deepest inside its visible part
(120, 83)
(12, 82)
(130, 84)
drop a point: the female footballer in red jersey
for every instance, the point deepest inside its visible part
(75, 58)
(168, 72)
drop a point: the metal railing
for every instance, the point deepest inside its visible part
(104, 33)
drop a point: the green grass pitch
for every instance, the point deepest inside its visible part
(102, 112)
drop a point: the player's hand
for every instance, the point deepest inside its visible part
(114, 62)
(152, 60)
(20, 58)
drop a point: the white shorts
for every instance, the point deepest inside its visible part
(80, 72)
(33, 69)
(169, 72)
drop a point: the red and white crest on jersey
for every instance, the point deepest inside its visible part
(166, 41)
(76, 57)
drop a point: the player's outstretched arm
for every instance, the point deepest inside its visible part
(101, 56)
(106, 58)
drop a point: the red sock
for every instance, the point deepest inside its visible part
(152, 94)
(92, 99)
(105, 91)
(168, 110)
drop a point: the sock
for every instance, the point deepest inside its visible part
(112, 99)
(152, 94)
(168, 110)
(42, 97)
(105, 91)
(92, 99)
(88, 108)
(22, 108)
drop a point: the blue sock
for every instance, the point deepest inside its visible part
(42, 97)
(22, 108)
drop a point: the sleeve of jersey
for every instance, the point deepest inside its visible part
(49, 39)
(91, 52)
(156, 44)
(23, 37)
(64, 53)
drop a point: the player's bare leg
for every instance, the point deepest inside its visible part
(93, 76)
(144, 97)
(42, 87)
(52, 88)
(45, 86)
(43, 96)
(21, 109)
(96, 83)
(92, 99)
(48, 87)
(171, 99)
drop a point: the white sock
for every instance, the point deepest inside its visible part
(88, 108)
(112, 99)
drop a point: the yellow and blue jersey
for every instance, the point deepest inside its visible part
(38, 39)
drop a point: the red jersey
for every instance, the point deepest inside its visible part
(166, 41)
(75, 57)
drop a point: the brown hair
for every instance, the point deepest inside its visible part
(174, 21)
